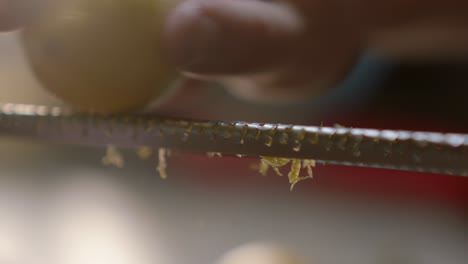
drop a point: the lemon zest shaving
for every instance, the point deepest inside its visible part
(294, 174)
(113, 157)
(162, 164)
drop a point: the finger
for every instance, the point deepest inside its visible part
(17, 13)
(417, 29)
(269, 52)
(231, 37)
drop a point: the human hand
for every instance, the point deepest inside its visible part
(284, 50)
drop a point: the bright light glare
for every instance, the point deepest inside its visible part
(12, 244)
(97, 222)
(96, 238)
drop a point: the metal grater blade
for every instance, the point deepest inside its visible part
(402, 150)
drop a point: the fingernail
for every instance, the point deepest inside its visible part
(192, 38)
(201, 45)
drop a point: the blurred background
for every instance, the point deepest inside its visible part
(59, 204)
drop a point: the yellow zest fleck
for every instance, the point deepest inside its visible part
(113, 157)
(162, 165)
(315, 139)
(294, 176)
(263, 168)
(245, 129)
(308, 164)
(144, 152)
(294, 173)
(258, 135)
(284, 138)
(297, 147)
(274, 163)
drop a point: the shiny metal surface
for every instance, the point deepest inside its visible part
(404, 150)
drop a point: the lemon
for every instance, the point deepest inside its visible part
(101, 55)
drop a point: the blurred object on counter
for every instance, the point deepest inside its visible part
(261, 253)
